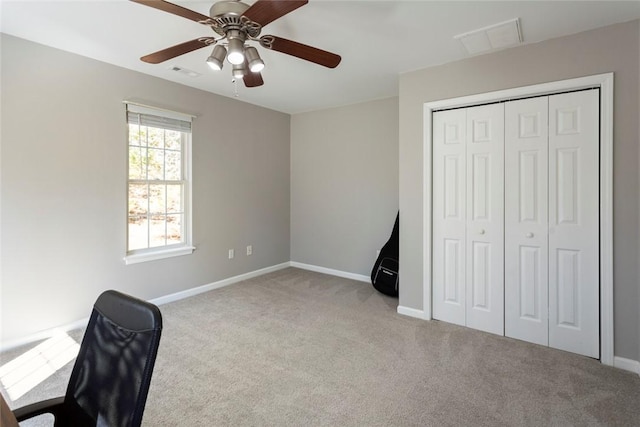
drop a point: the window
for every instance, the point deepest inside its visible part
(158, 207)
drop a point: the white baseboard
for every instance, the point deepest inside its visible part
(43, 335)
(46, 334)
(216, 285)
(330, 271)
(627, 364)
(411, 312)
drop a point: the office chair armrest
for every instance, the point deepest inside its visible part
(49, 406)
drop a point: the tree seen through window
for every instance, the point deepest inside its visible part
(156, 187)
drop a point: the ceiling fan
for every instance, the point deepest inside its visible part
(239, 24)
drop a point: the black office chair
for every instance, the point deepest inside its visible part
(111, 375)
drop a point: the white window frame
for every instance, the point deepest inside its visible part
(168, 251)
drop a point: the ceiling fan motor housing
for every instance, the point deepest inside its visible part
(224, 8)
(226, 15)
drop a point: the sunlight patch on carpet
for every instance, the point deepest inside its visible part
(36, 365)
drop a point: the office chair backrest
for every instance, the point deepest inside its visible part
(111, 376)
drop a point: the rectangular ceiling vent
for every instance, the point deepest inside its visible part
(494, 37)
(186, 71)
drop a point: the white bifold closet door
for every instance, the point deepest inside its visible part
(515, 219)
(551, 221)
(468, 217)
(574, 258)
(526, 220)
(449, 215)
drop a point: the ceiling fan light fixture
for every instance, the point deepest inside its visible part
(236, 47)
(238, 71)
(256, 64)
(216, 60)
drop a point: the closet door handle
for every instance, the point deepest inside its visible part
(481, 231)
(529, 235)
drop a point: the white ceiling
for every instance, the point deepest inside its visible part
(378, 40)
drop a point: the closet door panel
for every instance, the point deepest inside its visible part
(526, 220)
(485, 218)
(449, 211)
(573, 222)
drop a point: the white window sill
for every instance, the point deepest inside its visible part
(158, 254)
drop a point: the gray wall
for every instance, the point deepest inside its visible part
(614, 48)
(344, 184)
(63, 186)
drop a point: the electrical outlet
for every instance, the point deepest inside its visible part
(249, 250)
(231, 253)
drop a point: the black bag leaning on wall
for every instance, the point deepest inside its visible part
(384, 275)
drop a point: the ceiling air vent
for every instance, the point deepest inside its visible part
(499, 36)
(185, 71)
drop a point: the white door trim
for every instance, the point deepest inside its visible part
(605, 83)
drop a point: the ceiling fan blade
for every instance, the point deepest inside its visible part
(177, 50)
(302, 51)
(175, 9)
(253, 79)
(266, 11)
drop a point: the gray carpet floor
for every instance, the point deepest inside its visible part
(298, 348)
